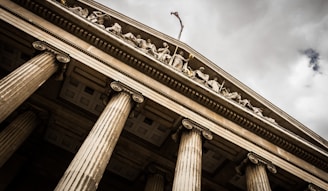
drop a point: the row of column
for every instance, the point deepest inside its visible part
(86, 169)
(19, 85)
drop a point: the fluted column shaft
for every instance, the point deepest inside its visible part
(257, 178)
(15, 134)
(16, 87)
(155, 182)
(89, 164)
(188, 168)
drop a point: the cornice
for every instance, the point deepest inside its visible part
(173, 79)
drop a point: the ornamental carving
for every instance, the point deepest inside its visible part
(188, 124)
(60, 55)
(118, 87)
(253, 158)
(177, 60)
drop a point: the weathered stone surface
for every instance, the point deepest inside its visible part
(15, 134)
(20, 84)
(257, 178)
(89, 164)
(155, 182)
(189, 162)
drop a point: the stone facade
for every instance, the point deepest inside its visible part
(133, 109)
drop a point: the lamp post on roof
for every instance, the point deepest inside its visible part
(181, 24)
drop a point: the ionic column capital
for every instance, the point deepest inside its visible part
(253, 158)
(189, 124)
(120, 87)
(60, 55)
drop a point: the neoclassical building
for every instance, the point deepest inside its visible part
(93, 100)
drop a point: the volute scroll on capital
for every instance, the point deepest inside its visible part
(60, 55)
(255, 159)
(189, 124)
(118, 87)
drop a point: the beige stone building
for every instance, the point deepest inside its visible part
(93, 100)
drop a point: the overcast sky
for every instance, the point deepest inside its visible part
(259, 42)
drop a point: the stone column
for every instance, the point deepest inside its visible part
(155, 182)
(89, 164)
(155, 178)
(188, 169)
(15, 134)
(256, 176)
(16, 87)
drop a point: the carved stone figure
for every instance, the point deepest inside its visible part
(186, 69)
(146, 46)
(200, 76)
(130, 38)
(93, 17)
(98, 18)
(257, 111)
(115, 29)
(214, 84)
(151, 48)
(234, 95)
(178, 60)
(141, 43)
(246, 103)
(163, 54)
(79, 11)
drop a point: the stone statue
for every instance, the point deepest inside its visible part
(98, 18)
(178, 60)
(186, 69)
(200, 76)
(246, 103)
(163, 54)
(146, 46)
(79, 11)
(234, 95)
(151, 48)
(130, 38)
(257, 111)
(141, 43)
(215, 85)
(115, 29)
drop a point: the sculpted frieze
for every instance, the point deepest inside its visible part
(177, 60)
